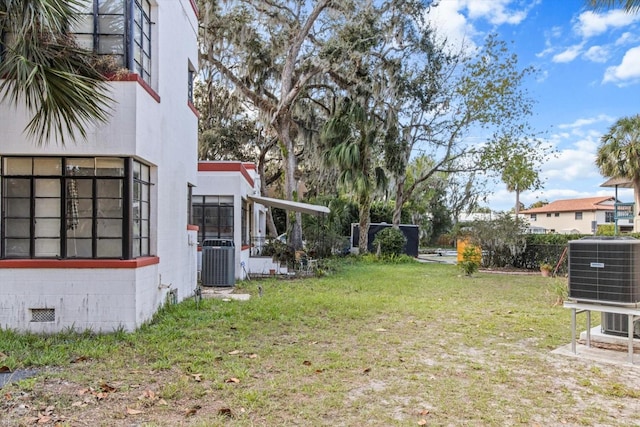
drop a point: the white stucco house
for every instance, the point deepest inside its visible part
(227, 205)
(222, 209)
(574, 216)
(95, 235)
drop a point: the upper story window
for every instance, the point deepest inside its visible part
(534, 217)
(120, 30)
(609, 216)
(557, 214)
(578, 215)
(190, 81)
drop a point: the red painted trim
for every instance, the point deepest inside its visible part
(195, 8)
(192, 227)
(132, 77)
(79, 263)
(193, 108)
(245, 247)
(199, 248)
(251, 166)
(226, 167)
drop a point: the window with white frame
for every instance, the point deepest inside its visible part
(120, 29)
(534, 217)
(578, 215)
(74, 207)
(609, 217)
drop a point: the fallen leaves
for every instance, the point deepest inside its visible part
(192, 410)
(45, 416)
(225, 412)
(131, 411)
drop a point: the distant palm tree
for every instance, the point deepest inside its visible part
(631, 6)
(619, 153)
(351, 137)
(43, 68)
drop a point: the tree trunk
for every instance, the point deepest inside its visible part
(397, 210)
(365, 220)
(517, 209)
(271, 225)
(636, 200)
(294, 221)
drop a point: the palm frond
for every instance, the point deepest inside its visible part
(46, 71)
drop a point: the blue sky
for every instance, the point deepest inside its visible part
(589, 76)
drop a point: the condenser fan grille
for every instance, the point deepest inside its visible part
(605, 270)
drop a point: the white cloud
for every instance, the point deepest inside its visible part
(597, 54)
(627, 38)
(452, 25)
(497, 12)
(580, 123)
(591, 24)
(455, 19)
(569, 54)
(628, 71)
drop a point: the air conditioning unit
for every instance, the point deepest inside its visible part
(618, 324)
(218, 263)
(605, 270)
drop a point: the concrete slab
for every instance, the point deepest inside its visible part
(604, 348)
(226, 293)
(598, 354)
(15, 376)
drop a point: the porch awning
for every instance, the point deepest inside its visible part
(618, 182)
(307, 208)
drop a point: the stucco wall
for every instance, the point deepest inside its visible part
(157, 127)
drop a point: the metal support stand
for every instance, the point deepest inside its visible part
(632, 313)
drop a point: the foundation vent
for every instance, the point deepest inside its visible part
(43, 314)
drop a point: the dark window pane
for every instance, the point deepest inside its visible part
(49, 227)
(48, 187)
(15, 187)
(109, 227)
(47, 247)
(18, 208)
(17, 227)
(79, 248)
(109, 188)
(109, 248)
(109, 208)
(111, 6)
(47, 208)
(17, 247)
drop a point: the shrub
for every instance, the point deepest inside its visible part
(470, 260)
(391, 241)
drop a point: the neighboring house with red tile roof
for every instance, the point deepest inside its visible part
(574, 215)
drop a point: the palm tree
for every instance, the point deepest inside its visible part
(619, 153)
(43, 68)
(351, 136)
(631, 6)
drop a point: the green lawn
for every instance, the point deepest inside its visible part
(370, 344)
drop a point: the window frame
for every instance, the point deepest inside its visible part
(609, 217)
(136, 34)
(85, 209)
(578, 216)
(214, 226)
